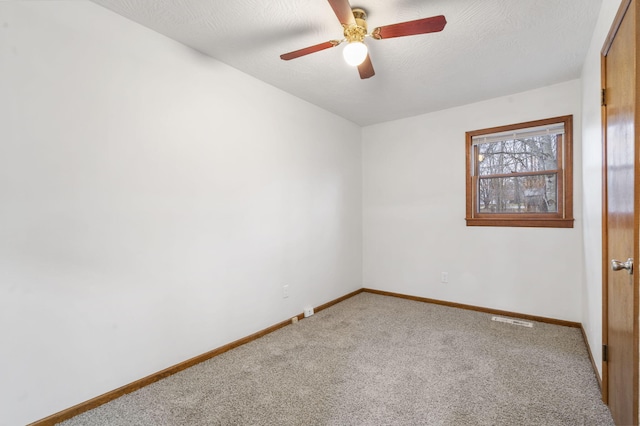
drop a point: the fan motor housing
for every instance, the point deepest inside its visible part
(358, 31)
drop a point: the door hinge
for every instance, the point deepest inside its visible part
(603, 98)
(605, 353)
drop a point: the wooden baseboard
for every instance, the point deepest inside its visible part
(145, 381)
(338, 300)
(593, 362)
(478, 308)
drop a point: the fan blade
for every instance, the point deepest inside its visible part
(342, 9)
(419, 26)
(310, 49)
(366, 68)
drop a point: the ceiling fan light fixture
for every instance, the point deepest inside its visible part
(355, 53)
(354, 28)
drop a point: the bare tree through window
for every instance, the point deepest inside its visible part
(518, 175)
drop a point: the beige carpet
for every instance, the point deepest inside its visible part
(377, 360)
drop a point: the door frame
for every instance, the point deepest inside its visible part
(623, 9)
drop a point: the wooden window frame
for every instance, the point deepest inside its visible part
(563, 218)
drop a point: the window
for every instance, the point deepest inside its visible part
(521, 175)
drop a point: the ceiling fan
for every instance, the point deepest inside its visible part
(354, 23)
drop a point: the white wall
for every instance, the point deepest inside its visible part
(154, 203)
(592, 182)
(414, 210)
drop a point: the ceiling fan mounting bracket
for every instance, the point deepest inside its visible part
(359, 13)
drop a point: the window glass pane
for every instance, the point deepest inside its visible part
(518, 194)
(535, 154)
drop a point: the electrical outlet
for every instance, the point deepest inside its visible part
(285, 291)
(444, 277)
(308, 312)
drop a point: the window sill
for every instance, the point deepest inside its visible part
(538, 222)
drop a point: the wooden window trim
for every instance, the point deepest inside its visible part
(563, 218)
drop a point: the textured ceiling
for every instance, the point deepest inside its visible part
(489, 48)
